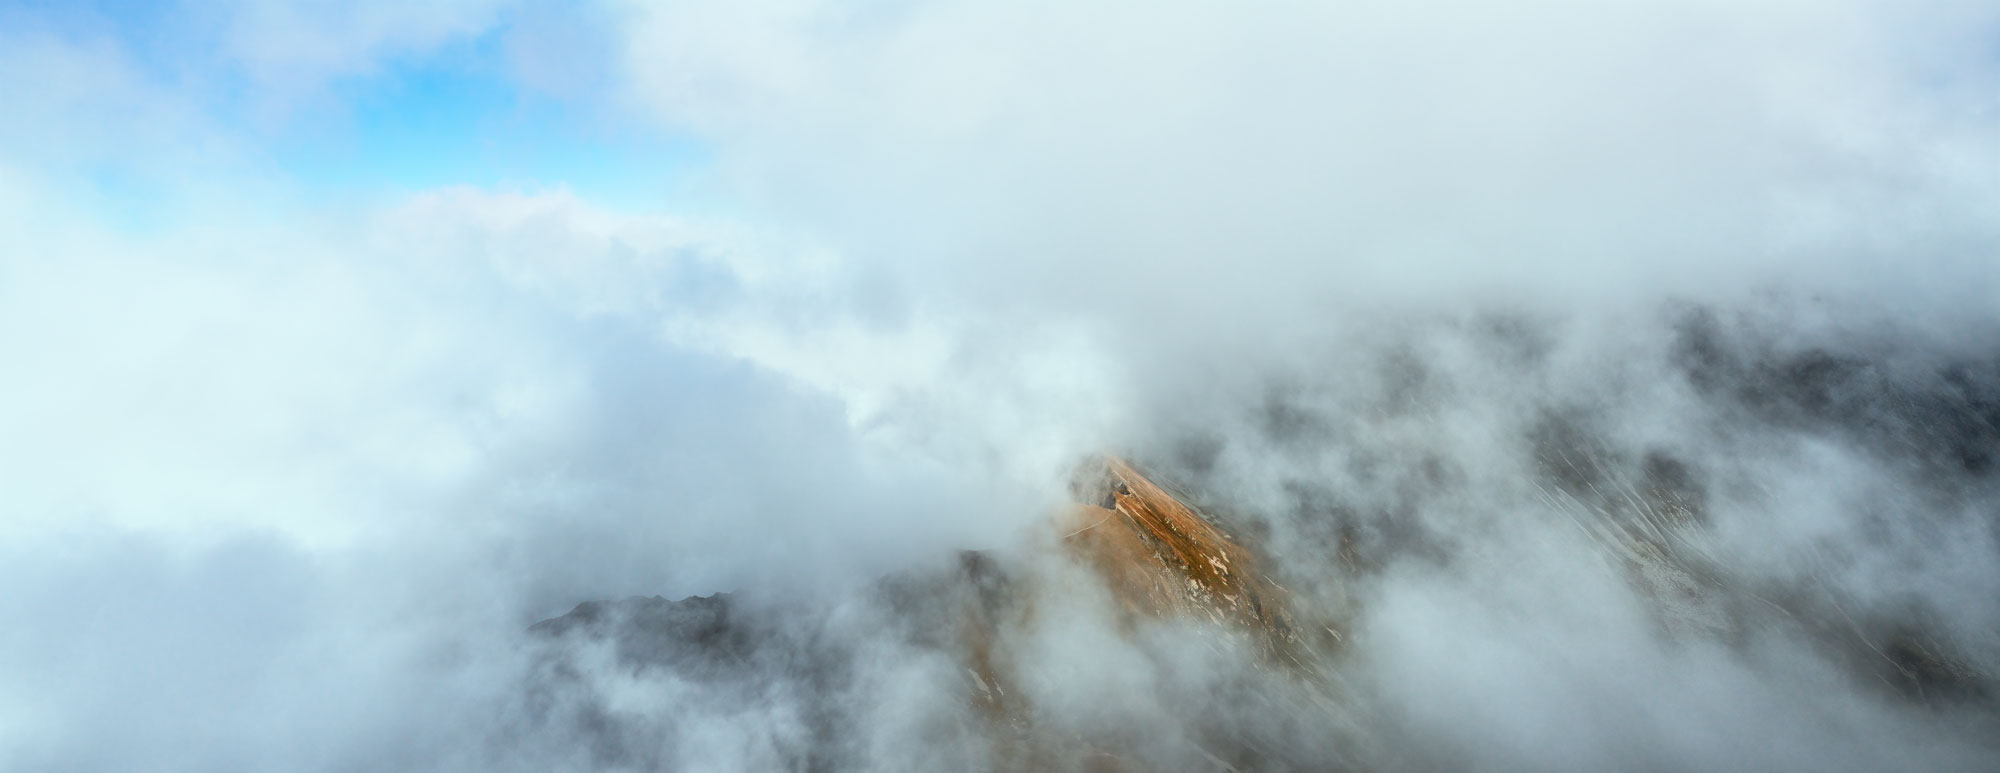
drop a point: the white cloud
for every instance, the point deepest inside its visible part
(1248, 166)
(308, 466)
(309, 480)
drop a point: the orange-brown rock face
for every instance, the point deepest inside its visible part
(1161, 557)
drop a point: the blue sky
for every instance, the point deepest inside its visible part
(455, 117)
(382, 114)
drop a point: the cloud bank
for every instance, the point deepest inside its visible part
(1618, 376)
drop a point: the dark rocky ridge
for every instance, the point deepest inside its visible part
(1928, 418)
(1158, 559)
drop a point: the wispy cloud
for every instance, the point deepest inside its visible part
(344, 341)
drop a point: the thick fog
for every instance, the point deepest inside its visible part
(1618, 383)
